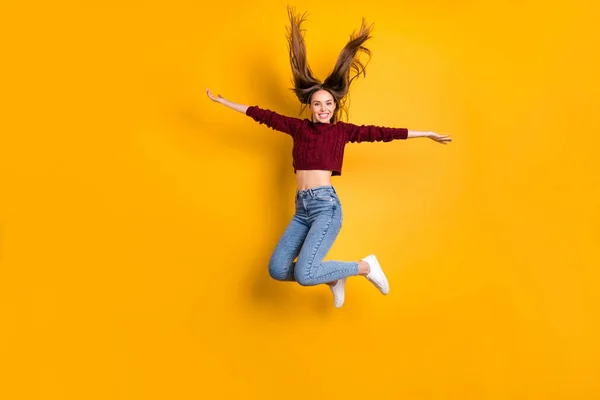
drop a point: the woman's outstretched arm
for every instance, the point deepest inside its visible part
(270, 118)
(443, 139)
(374, 133)
(220, 99)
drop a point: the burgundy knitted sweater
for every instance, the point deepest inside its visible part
(321, 146)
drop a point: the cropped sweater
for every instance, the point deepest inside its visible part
(321, 146)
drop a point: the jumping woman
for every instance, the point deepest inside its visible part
(317, 155)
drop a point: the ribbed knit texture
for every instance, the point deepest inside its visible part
(321, 146)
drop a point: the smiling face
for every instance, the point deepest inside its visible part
(322, 106)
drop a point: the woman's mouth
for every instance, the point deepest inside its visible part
(323, 115)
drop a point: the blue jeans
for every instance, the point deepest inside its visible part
(309, 236)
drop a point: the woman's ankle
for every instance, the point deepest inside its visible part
(363, 267)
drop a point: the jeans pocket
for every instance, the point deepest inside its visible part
(324, 197)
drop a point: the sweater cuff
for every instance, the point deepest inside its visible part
(251, 111)
(402, 133)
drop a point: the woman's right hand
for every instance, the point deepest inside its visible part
(218, 99)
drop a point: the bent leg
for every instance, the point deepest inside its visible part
(281, 264)
(311, 269)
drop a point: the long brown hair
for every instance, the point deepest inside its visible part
(347, 67)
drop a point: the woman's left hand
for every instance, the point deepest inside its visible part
(443, 139)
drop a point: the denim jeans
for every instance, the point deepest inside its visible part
(309, 237)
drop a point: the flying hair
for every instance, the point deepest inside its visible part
(347, 68)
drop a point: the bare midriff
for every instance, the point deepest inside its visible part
(308, 179)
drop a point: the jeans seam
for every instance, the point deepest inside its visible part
(314, 253)
(310, 269)
(344, 270)
(336, 271)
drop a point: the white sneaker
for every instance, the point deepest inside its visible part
(376, 276)
(338, 292)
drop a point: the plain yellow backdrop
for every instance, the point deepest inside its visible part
(137, 217)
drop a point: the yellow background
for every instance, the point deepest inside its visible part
(137, 217)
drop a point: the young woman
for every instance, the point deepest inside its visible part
(318, 150)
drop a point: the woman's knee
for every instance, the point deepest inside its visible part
(303, 277)
(279, 271)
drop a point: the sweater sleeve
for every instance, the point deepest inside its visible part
(274, 120)
(373, 133)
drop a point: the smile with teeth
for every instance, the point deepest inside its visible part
(323, 115)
